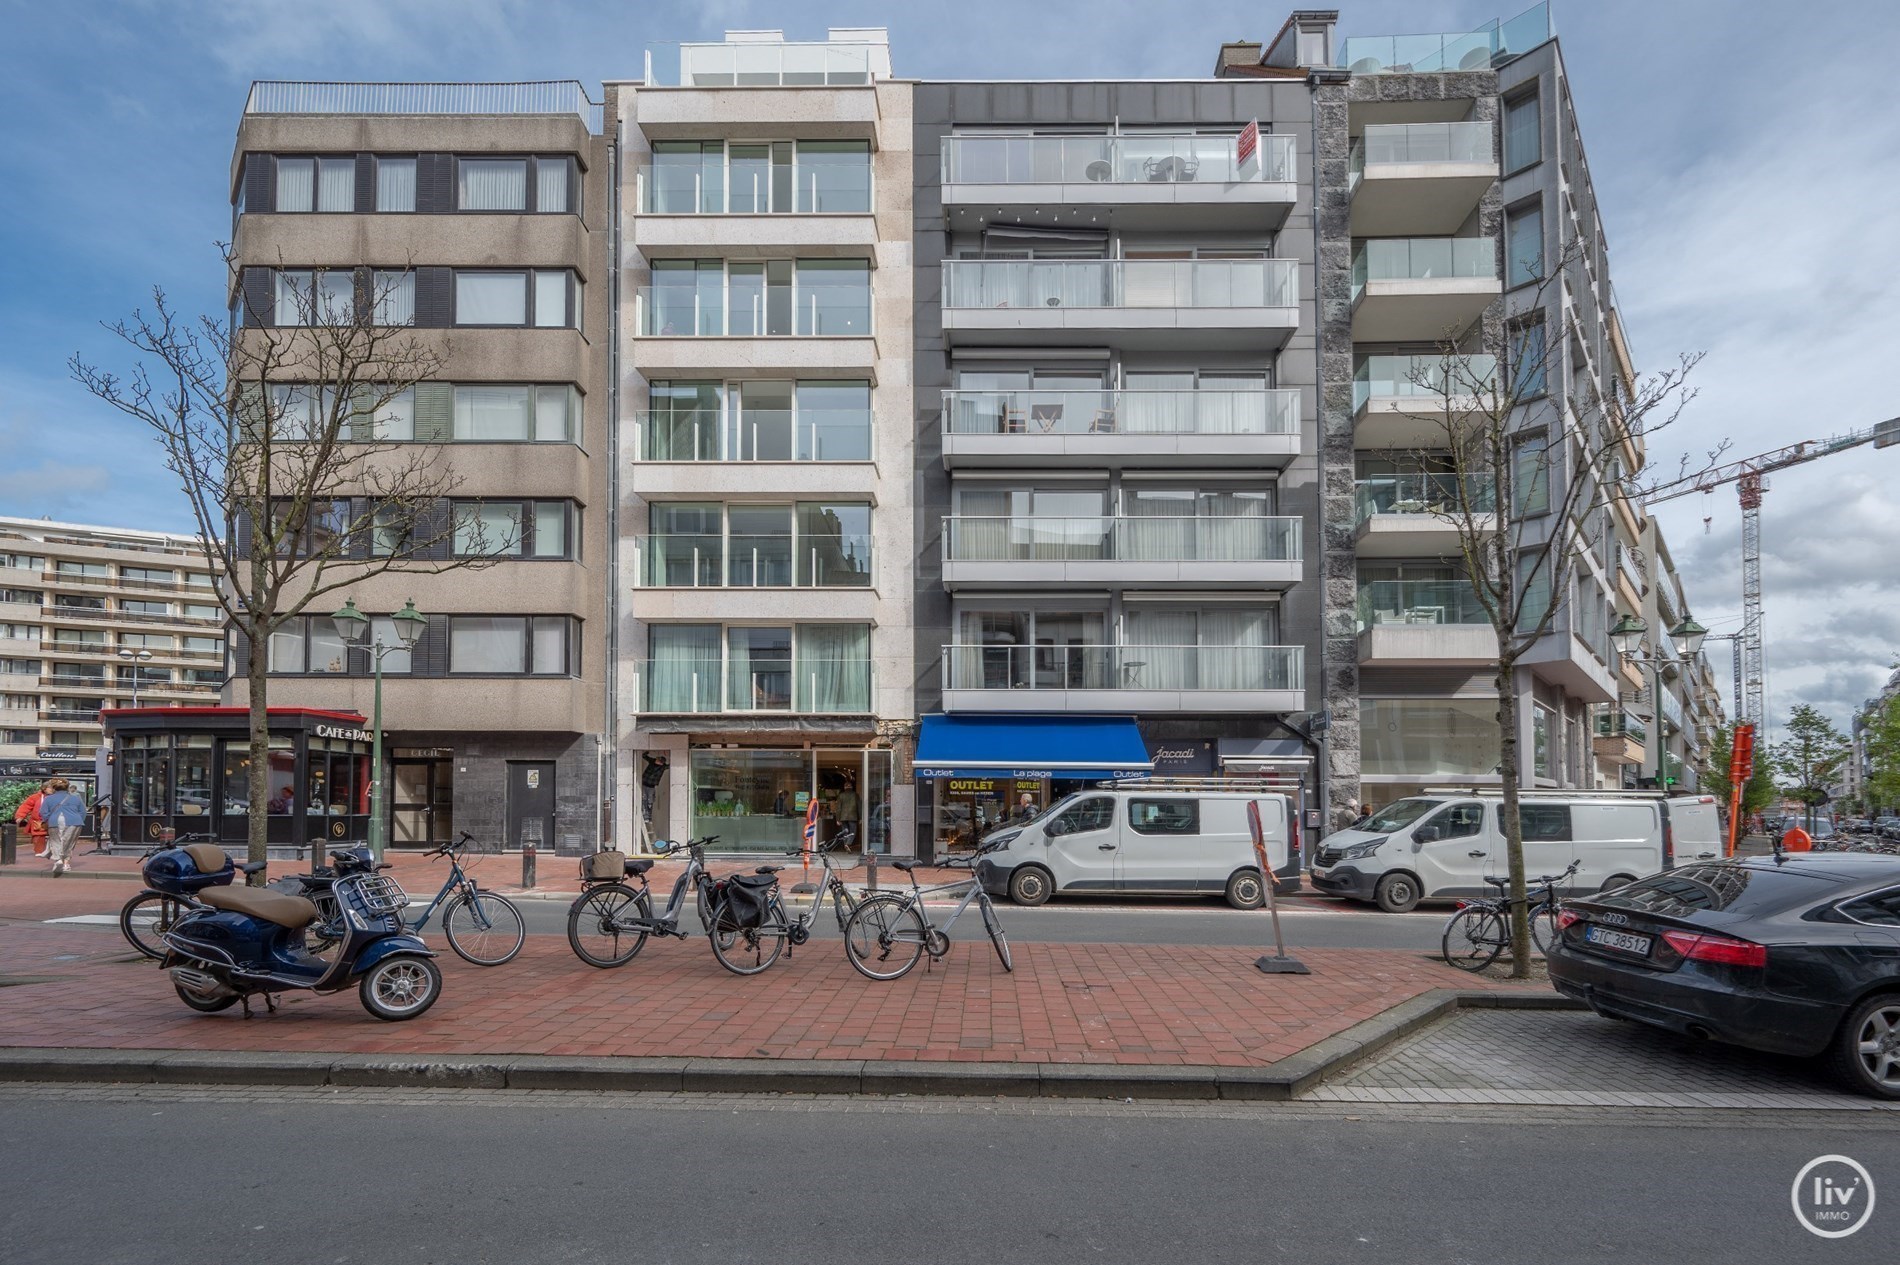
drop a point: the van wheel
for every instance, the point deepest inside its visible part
(1244, 890)
(1615, 881)
(1397, 893)
(1030, 885)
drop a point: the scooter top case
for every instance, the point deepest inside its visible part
(188, 870)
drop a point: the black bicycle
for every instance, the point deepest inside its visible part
(1481, 929)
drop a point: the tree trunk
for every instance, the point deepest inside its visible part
(1508, 820)
(258, 819)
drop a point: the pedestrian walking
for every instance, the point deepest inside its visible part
(28, 815)
(63, 812)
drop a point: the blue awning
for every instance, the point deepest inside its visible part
(1031, 746)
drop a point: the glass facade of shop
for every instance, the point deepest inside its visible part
(756, 798)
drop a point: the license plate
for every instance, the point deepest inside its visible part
(1622, 940)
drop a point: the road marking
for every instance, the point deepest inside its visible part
(90, 920)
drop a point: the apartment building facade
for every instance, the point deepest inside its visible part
(99, 617)
(764, 527)
(478, 216)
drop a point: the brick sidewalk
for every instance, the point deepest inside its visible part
(1115, 1004)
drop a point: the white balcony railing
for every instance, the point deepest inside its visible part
(1136, 668)
(1149, 158)
(1120, 283)
(1122, 412)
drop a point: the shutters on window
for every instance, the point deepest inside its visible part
(258, 298)
(435, 298)
(435, 412)
(260, 182)
(435, 183)
(365, 183)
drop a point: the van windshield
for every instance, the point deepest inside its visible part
(1398, 815)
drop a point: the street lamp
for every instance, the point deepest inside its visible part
(1627, 635)
(135, 658)
(354, 627)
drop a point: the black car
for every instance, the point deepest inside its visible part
(1798, 955)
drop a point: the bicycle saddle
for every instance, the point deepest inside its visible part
(768, 869)
(1499, 883)
(640, 866)
(906, 866)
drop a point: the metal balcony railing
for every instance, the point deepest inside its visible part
(556, 96)
(1126, 667)
(1120, 538)
(1122, 412)
(1146, 158)
(1120, 283)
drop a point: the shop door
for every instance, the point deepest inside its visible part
(531, 804)
(421, 801)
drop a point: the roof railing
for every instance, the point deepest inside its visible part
(547, 96)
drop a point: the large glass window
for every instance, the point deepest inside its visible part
(1425, 738)
(395, 184)
(316, 184)
(491, 184)
(833, 421)
(512, 645)
(758, 178)
(1524, 245)
(834, 176)
(1523, 135)
(491, 298)
(394, 296)
(306, 297)
(834, 297)
(512, 529)
(514, 413)
(805, 668)
(773, 297)
(1529, 370)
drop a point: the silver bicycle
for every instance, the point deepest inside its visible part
(888, 933)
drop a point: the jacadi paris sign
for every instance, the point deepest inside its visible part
(339, 731)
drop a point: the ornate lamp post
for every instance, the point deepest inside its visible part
(135, 658)
(354, 627)
(1628, 636)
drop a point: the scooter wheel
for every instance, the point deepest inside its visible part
(205, 1005)
(400, 987)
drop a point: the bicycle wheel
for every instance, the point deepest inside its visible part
(146, 917)
(994, 926)
(596, 925)
(484, 928)
(884, 936)
(1544, 928)
(1474, 937)
(749, 950)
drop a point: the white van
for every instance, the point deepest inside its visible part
(1151, 841)
(1444, 845)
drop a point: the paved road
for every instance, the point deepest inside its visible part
(158, 1176)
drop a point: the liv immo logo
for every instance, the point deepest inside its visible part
(1833, 1196)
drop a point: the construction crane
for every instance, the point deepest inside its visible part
(1749, 476)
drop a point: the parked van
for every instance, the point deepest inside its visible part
(1443, 845)
(1156, 840)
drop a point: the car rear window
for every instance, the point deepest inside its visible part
(1736, 889)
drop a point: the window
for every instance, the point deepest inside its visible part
(395, 184)
(203, 676)
(491, 184)
(74, 602)
(394, 420)
(1460, 821)
(148, 575)
(1165, 816)
(553, 179)
(512, 645)
(1541, 762)
(512, 529)
(307, 644)
(307, 297)
(808, 543)
(300, 412)
(1425, 738)
(758, 178)
(202, 645)
(21, 597)
(1094, 813)
(394, 297)
(316, 184)
(507, 413)
(1530, 474)
(1523, 133)
(93, 637)
(1524, 244)
(542, 299)
(193, 610)
(1882, 909)
(1529, 372)
(89, 570)
(774, 297)
(151, 608)
(19, 632)
(1533, 584)
(834, 176)
(1544, 823)
(805, 668)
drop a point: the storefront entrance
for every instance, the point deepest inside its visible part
(422, 798)
(757, 799)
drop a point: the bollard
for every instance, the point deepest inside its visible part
(9, 843)
(870, 870)
(527, 864)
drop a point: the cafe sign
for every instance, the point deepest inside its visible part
(342, 733)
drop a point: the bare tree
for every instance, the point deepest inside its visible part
(1528, 492)
(285, 430)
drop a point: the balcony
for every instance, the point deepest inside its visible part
(1116, 428)
(1203, 304)
(1621, 736)
(815, 89)
(707, 327)
(792, 687)
(1420, 177)
(1152, 180)
(1417, 515)
(1408, 401)
(1143, 679)
(1027, 551)
(1422, 289)
(760, 435)
(1490, 45)
(745, 561)
(1424, 623)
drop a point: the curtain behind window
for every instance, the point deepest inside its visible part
(550, 184)
(493, 184)
(296, 183)
(395, 184)
(683, 672)
(833, 668)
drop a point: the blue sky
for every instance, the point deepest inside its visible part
(1744, 165)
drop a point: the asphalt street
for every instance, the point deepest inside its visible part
(471, 1176)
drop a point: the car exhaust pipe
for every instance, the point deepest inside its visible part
(1700, 1033)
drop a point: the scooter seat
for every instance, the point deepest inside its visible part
(286, 911)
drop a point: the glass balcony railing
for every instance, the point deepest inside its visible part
(807, 434)
(1419, 494)
(1149, 158)
(1428, 376)
(1391, 144)
(1618, 724)
(1488, 46)
(1106, 412)
(1120, 283)
(827, 303)
(746, 561)
(1124, 667)
(1112, 538)
(1383, 602)
(1423, 259)
(694, 685)
(766, 64)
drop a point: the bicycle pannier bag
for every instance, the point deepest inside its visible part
(746, 897)
(604, 867)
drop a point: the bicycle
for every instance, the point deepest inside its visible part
(1481, 929)
(145, 919)
(843, 903)
(608, 924)
(888, 933)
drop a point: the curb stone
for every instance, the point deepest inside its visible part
(1283, 1081)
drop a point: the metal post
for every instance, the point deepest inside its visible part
(376, 760)
(527, 863)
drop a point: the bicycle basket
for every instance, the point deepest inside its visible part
(604, 867)
(381, 894)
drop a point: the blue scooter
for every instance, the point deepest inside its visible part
(243, 941)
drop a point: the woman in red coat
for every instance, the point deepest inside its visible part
(28, 815)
